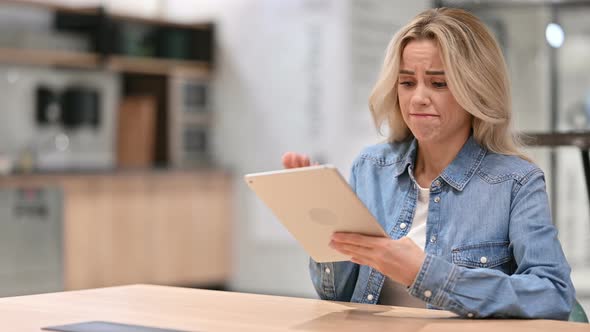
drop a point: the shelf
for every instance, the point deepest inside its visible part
(103, 55)
(49, 58)
(156, 21)
(52, 6)
(139, 65)
(577, 139)
(125, 64)
(96, 10)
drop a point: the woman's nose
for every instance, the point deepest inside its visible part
(420, 98)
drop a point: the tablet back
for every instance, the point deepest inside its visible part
(313, 203)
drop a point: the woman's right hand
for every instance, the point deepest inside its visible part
(294, 160)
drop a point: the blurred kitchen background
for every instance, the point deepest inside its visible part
(126, 127)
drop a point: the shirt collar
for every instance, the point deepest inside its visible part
(458, 173)
(407, 159)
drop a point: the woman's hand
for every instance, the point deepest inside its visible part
(400, 260)
(294, 160)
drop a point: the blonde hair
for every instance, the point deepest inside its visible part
(475, 70)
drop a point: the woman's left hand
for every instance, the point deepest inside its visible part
(400, 260)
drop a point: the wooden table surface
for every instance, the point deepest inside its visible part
(203, 310)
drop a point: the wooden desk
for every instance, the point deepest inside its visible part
(200, 310)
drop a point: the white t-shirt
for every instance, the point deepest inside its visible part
(418, 230)
(392, 292)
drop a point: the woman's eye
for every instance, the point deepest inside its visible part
(406, 83)
(439, 84)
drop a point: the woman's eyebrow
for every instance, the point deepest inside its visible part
(428, 72)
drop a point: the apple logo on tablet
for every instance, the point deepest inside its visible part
(323, 216)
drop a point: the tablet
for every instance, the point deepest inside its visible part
(313, 203)
(101, 326)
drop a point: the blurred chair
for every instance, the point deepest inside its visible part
(578, 314)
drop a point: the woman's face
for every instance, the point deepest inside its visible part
(427, 105)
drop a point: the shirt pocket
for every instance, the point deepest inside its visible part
(491, 255)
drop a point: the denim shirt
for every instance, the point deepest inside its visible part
(491, 248)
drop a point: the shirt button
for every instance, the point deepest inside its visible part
(437, 183)
(432, 239)
(403, 225)
(427, 293)
(327, 270)
(470, 315)
(370, 297)
(437, 199)
(483, 259)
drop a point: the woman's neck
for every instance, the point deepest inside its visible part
(433, 158)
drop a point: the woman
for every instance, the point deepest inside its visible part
(466, 210)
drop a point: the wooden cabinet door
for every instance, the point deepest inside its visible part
(164, 229)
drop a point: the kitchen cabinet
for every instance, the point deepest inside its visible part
(162, 227)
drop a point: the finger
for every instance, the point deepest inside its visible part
(294, 160)
(357, 254)
(361, 256)
(357, 239)
(352, 250)
(301, 161)
(297, 160)
(305, 160)
(286, 160)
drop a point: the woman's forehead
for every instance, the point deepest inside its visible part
(420, 53)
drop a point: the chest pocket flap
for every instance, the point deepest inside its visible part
(485, 254)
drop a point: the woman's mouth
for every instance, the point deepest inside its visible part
(424, 115)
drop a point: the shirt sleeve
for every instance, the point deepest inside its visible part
(540, 287)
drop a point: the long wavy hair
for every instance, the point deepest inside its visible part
(475, 71)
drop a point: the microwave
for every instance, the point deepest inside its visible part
(45, 117)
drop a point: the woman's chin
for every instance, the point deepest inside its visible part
(426, 137)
